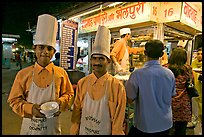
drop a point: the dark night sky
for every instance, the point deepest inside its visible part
(16, 15)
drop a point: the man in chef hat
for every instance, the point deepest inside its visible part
(100, 102)
(120, 52)
(40, 83)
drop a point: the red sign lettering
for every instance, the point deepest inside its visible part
(190, 12)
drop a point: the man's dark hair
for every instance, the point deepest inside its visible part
(122, 36)
(154, 48)
(199, 49)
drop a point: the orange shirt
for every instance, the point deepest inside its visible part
(96, 88)
(42, 77)
(120, 47)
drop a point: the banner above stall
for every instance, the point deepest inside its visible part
(126, 15)
(189, 13)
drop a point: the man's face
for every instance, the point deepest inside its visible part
(199, 55)
(128, 36)
(99, 63)
(44, 54)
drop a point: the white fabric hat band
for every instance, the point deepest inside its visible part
(124, 31)
(102, 42)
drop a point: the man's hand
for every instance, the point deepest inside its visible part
(36, 111)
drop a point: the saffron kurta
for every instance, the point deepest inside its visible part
(96, 89)
(120, 47)
(198, 84)
(43, 77)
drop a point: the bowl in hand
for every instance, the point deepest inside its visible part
(49, 108)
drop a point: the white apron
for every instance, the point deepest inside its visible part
(41, 126)
(95, 118)
(125, 64)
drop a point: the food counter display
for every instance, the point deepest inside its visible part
(137, 60)
(169, 22)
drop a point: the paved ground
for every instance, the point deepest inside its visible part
(11, 122)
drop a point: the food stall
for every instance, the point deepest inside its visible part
(148, 20)
(169, 22)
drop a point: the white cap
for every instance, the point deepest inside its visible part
(102, 42)
(124, 31)
(46, 31)
(182, 43)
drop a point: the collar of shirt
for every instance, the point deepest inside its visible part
(100, 80)
(39, 68)
(199, 63)
(151, 62)
(124, 41)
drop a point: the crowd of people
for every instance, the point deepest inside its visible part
(99, 105)
(20, 56)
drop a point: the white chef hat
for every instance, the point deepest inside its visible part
(124, 31)
(46, 31)
(102, 41)
(182, 43)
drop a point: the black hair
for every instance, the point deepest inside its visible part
(199, 49)
(154, 48)
(122, 36)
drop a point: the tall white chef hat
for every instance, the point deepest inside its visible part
(124, 31)
(102, 42)
(46, 31)
(182, 43)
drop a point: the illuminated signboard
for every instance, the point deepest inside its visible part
(188, 13)
(129, 14)
(68, 44)
(192, 14)
(169, 11)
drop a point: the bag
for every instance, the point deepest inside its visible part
(192, 91)
(200, 77)
(132, 131)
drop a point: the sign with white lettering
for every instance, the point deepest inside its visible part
(68, 44)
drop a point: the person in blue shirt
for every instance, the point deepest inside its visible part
(151, 88)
